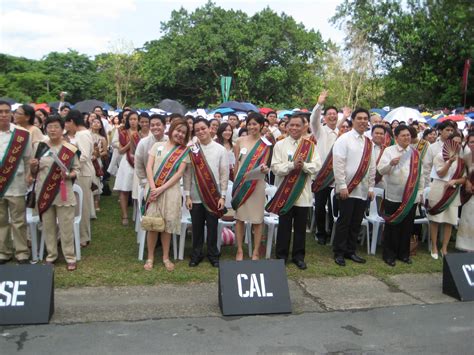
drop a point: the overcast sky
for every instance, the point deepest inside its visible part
(33, 28)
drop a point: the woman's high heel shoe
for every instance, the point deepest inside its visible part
(434, 255)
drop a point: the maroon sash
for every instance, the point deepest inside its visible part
(12, 158)
(51, 184)
(363, 166)
(124, 137)
(378, 177)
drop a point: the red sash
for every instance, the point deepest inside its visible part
(325, 176)
(363, 166)
(294, 183)
(12, 158)
(51, 184)
(378, 177)
(449, 193)
(205, 182)
(124, 138)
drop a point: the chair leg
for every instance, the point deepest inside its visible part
(333, 232)
(375, 237)
(175, 247)
(248, 234)
(34, 240)
(219, 236)
(182, 241)
(77, 241)
(41, 249)
(270, 234)
(142, 239)
(368, 238)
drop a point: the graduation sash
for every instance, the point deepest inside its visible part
(363, 166)
(134, 138)
(409, 193)
(293, 185)
(168, 167)
(422, 147)
(449, 193)
(241, 189)
(325, 176)
(13, 155)
(53, 180)
(378, 177)
(205, 182)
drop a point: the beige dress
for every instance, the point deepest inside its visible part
(169, 203)
(102, 143)
(253, 209)
(465, 234)
(437, 187)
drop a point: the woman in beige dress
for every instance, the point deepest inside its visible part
(25, 117)
(252, 209)
(166, 198)
(442, 175)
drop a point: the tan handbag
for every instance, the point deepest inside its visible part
(152, 221)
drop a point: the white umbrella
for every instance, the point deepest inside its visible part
(403, 113)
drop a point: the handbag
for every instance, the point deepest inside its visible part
(152, 221)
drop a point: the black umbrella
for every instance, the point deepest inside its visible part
(88, 105)
(55, 104)
(172, 106)
(8, 99)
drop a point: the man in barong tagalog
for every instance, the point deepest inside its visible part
(15, 152)
(294, 162)
(205, 188)
(402, 168)
(354, 174)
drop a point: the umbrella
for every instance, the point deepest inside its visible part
(240, 106)
(224, 111)
(55, 104)
(44, 106)
(265, 110)
(470, 114)
(455, 118)
(432, 122)
(403, 113)
(88, 105)
(282, 114)
(172, 106)
(8, 99)
(382, 113)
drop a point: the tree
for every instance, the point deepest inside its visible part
(269, 56)
(420, 45)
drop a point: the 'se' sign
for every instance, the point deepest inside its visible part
(467, 269)
(10, 292)
(255, 288)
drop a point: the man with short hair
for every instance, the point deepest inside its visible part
(401, 167)
(218, 116)
(294, 162)
(100, 113)
(15, 153)
(157, 129)
(273, 124)
(64, 110)
(205, 188)
(354, 174)
(233, 120)
(378, 139)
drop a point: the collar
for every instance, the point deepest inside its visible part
(400, 149)
(10, 129)
(294, 141)
(357, 134)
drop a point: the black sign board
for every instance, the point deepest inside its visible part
(458, 276)
(253, 287)
(26, 294)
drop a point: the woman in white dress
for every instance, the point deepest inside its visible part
(465, 235)
(128, 141)
(444, 180)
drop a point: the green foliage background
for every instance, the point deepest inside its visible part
(420, 48)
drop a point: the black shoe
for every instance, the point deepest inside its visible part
(300, 264)
(339, 260)
(23, 262)
(407, 261)
(390, 262)
(214, 263)
(4, 261)
(194, 262)
(355, 258)
(322, 241)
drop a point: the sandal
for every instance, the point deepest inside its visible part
(168, 265)
(124, 222)
(71, 266)
(148, 265)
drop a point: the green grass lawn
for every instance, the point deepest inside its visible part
(112, 259)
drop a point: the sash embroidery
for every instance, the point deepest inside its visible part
(293, 185)
(325, 176)
(206, 183)
(51, 184)
(449, 193)
(363, 166)
(409, 193)
(422, 148)
(241, 190)
(12, 158)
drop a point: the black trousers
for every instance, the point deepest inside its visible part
(199, 217)
(351, 213)
(396, 243)
(296, 217)
(321, 198)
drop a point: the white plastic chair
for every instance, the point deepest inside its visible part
(271, 220)
(77, 221)
(375, 219)
(32, 221)
(423, 220)
(185, 222)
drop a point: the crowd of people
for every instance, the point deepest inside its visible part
(235, 169)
